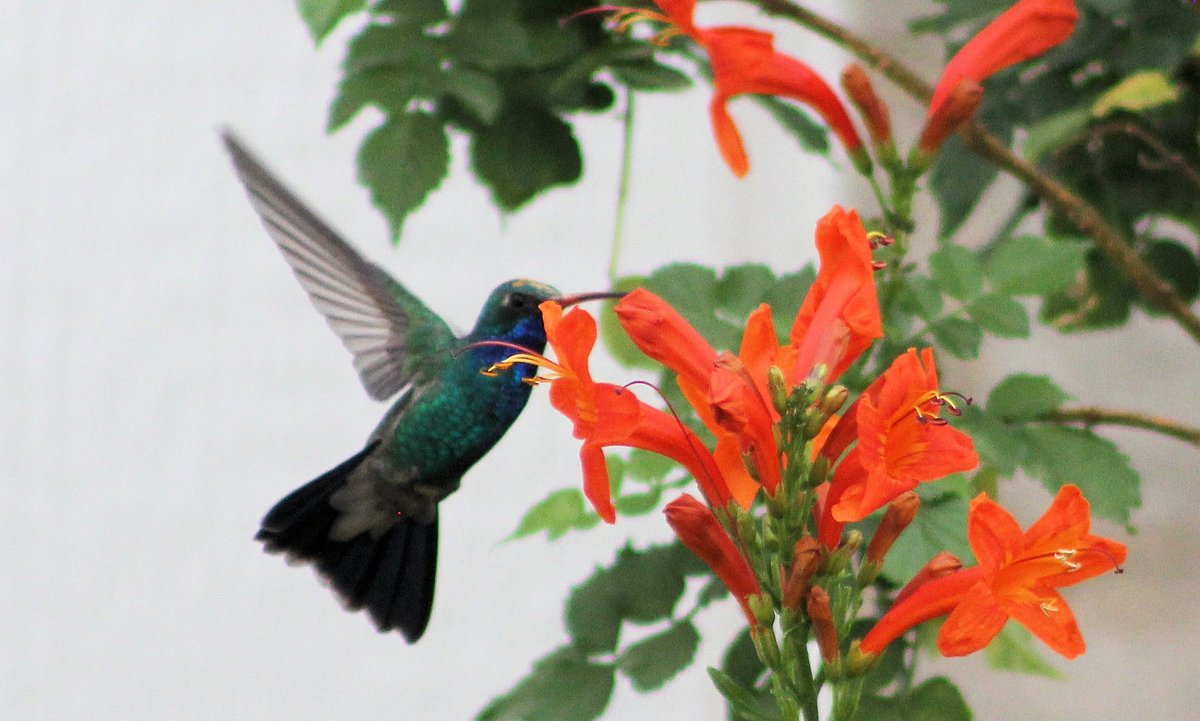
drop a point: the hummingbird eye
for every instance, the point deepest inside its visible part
(518, 300)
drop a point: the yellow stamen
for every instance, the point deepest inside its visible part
(1049, 607)
(1064, 556)
(555, 370)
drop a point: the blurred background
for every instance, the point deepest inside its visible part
(163, 381)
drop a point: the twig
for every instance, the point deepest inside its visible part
(1092, 416)
(1108, 239)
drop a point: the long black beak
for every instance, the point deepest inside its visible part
(570, 300)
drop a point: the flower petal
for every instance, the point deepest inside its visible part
(973, 623)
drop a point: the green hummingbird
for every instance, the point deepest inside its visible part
(370, 525)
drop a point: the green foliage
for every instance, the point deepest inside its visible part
(322, 16)
(1028, 265)
(653, 661)
(743, 703)
(563, 510)
(957, 271)
(1024, 397)
(1015, 649)
(934, 700)
(563, 686)
(1061, 455)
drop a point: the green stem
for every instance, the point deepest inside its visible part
(622, 189)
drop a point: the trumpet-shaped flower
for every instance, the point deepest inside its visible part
(744, 61)
(609, 415)
(902, 442)
(1017, 578)
(1026, 30)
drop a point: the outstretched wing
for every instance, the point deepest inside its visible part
(395, 339)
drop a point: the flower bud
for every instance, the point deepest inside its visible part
(820, 612)
(818, 471)
(762, 608)
(833, 400)
(859, 662)
(959, 107)
(857, 84)
(806, 560)
(899, 515)
(941, 565)
(777, 387)
(767, 646)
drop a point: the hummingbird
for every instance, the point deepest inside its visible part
(369, 526)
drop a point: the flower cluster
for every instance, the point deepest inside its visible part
(786, 474)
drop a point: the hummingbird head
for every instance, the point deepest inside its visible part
(511, 312)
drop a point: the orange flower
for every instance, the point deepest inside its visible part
(901, 443)
(1016, 578)
(840, 315)
(704, 536)
(609, 415)
(1026, 30)
(744, 61)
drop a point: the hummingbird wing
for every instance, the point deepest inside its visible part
(395, 339)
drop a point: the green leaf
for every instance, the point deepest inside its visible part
(957, 271)
(958, 180)
(563, 686)
(934, 700)
(742, 287)
(1035, 266)
(999, 444)
(525, 151)
(1025, 397)
(561, 511)
(401, 161)
(958, 336)
(639, 504)
(616, 340)
(412, 12)
(1140, 91)
(653, 661)
(650, 76)
(1064, 455)
(923, 297)
(1014, 649)
(641, 587)
(744, 703)
(1000, 315)
(812, 136)
(478, 93)
(741, 662)
(646, 466)
(1054, 132)
(322, 16)
(1177, 265)
(940, 526)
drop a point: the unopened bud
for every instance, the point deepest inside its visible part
(958, 108)
(833, 400)
(820, 612)
(859, 662)
(857, 84)
(814, 423)
(806, 559)
(818, 471)
(777, 386)
(900, 513)
(839, 560)
(940, 566)
(762, 608)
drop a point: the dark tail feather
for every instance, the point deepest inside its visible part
(390, 575)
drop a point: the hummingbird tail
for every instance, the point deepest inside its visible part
(391, 575)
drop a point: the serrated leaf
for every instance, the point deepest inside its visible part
(322, 16)
(741, 288)
(1028, 265)
(743, 702)
(934, 700)
(958, 336)
(1062, 455)
(401, 162)
(561, 511)
(477, 92)
(957, 271)
(940, 526)
(999, 445)
(924, 297)
(1014, 649)
(1140, 91)
(1024, 397)
(525, 151)
(1175, 264)
(563, 686)
(642, 586)
(653, 661)
(1000, 315)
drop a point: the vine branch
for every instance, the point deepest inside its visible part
(1107, 238)
(1093, 416)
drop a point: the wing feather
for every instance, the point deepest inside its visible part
(371, 313)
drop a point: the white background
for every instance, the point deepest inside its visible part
(163, 381)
